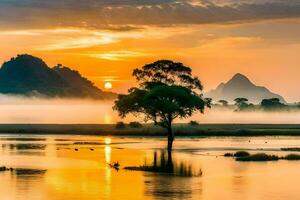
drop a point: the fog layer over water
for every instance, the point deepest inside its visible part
(83, 111)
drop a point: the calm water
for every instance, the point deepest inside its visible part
(49, 167)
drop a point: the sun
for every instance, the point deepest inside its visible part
(107, 141)
(108, 85)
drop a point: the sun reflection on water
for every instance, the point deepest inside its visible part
(107, 151)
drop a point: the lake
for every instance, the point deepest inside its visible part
(77, 167)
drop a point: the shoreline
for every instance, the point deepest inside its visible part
(205, 130)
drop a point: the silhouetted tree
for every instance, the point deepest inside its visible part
(241, 103)
(167, 90)
(223, 102)
(208, 101)
(272, 104)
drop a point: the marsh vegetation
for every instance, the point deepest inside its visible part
(245, 156)
(166, 165)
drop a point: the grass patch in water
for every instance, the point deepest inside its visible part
(291, 157)
(291, 149)
(182, 171)
(165, 165)
(3, 168)
(237, 154)
(240, 154)
(259, 157)
(228, 155)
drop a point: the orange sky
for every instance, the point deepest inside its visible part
(266, 50)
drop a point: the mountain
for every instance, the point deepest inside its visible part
(31, 76)
(81, 86)
(240, 86)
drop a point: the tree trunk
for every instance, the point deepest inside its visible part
(170, 166)
(170, 138)
(170, 146)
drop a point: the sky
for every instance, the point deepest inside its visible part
(105, 40)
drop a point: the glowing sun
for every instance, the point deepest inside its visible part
(107, 141)
(108, 85)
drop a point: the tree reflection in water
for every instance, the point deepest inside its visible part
(27, 179)
(164, 164)
(24, 146)
(183, 180)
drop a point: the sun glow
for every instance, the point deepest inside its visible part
(78, 43)
(107, 141)
(108, 85)
(117, 55)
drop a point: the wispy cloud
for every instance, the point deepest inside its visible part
(79, 43)
(116, 55)
(126, 15)
(79, 38)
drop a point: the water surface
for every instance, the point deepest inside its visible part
(76, 167)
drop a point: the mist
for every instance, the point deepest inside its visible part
(219, 115)
(18, 109)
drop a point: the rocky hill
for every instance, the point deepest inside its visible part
(240, 86)
(30, 76)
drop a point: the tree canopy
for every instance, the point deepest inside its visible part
(272, 104)
(223, 102)
(242, 104)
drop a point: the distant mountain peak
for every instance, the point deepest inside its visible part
(239, 76)
(220, 86)
(241, 86)
(240, 79)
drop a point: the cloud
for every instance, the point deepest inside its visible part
(116, 55)
(124, 15)
(79, 43)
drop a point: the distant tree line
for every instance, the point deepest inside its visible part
(272, 104)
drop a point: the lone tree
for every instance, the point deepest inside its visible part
(167, 90)
(241, 103)
(223, 102)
